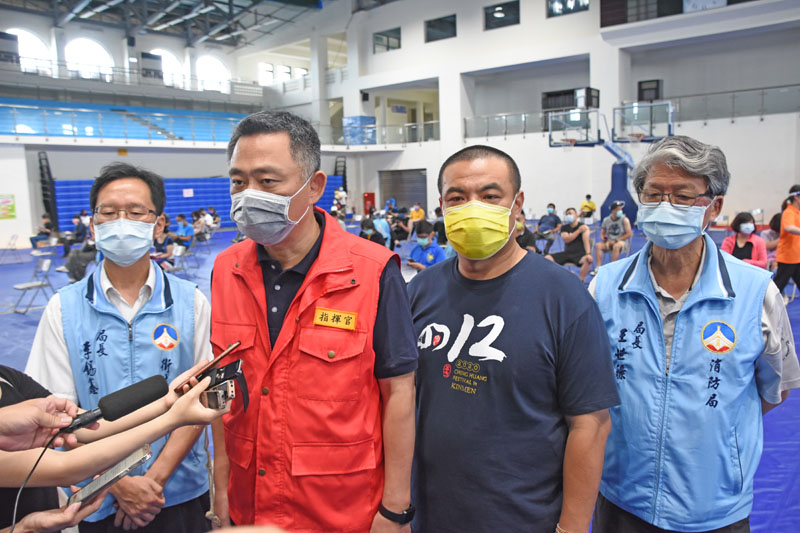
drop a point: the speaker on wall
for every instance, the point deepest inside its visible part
(131, 41)
(364, 96)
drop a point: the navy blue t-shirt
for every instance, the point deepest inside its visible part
(502, 363)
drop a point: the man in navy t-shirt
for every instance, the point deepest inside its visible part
(514, 380)
(548, 227)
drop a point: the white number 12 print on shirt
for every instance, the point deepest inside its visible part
(438, 335)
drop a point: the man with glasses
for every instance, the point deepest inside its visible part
(126, 322)
(701, 346)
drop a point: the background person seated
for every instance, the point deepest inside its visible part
(771, 236)
(427, 252)
(43, 231)
(577, 245)
(164, 255)
(184, 234)
(548, 228)
(524, 236)
(588, 207)
(615, 234)
(369, 232)
(745, 244)
(77, 236)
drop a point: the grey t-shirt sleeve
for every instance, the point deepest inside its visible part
(777, 367)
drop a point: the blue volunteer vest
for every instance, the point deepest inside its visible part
(107, 353)
(684, 444)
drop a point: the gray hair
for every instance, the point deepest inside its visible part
(689, 155)
(303, 138)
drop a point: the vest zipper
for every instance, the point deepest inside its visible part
(660, 449)
(130, 332)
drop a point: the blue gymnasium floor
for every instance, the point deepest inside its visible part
(777, 484)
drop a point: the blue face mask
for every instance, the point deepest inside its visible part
(124, 241)
(423, 242)
(747, 228)
(549, 210)
(369, 232)
(569, 219)
(671, 227)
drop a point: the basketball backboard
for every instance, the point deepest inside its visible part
(642, 122)
(575, 127)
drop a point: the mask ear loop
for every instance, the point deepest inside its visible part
(289, 203)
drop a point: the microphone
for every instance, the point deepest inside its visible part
(121, 403)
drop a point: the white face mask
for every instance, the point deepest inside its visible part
(124, 241)
(264, 216)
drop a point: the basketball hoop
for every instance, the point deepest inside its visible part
(569, 144)
(635, 138)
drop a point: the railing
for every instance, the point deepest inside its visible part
(21, 120)
(735, 104)
(366, 135)
(728, 104)
(125, 76)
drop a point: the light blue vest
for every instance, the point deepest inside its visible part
(684, 445)
(107, 353)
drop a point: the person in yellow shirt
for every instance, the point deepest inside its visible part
(416, 214)
(587, 207)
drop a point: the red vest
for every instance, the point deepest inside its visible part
(308, 453)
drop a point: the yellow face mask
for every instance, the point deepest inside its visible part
(520, 226)
(477, 230)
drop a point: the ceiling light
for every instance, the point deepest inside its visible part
(498, 14)
(132, 60)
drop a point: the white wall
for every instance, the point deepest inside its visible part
(14, 180)
(520, 90)
(763, 158)
(728, 63)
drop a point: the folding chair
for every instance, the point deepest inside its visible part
(39, 282)
(204, 244)
(48, 249)
(11, 252)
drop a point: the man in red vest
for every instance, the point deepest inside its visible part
(328, 348)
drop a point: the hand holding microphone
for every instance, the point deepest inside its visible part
(30, 424)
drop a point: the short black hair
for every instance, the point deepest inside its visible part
(367, 224)
(181, 216)
(775, 223)
(423, 226)
(551, 205)
(303, 138)
(588, 196)
(742, 218)
(117, 171)
(481, 151)
(567, 210)
(438, 211)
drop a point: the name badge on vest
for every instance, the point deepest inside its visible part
(166, 337)
(334, 318)
(718, 337)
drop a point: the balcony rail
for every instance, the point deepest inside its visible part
(22, 120)
(720, 105)
(376, 135)
(132, 75)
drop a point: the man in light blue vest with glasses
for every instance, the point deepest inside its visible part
(128, 321)
(701, 347)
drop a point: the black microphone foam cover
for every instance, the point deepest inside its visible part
(127, 400)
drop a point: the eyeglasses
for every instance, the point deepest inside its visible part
(136, 212)
(676, 199)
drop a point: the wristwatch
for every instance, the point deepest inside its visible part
(398, 518)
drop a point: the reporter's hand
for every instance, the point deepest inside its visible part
(58, 519)
(172, 396)
(139, 499)
(31, 424)
(188, 410)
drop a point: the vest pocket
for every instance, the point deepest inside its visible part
(315, 459)
(239, 449)
(738, 474)
(327, 366)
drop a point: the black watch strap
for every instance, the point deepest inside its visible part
(398, 518)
